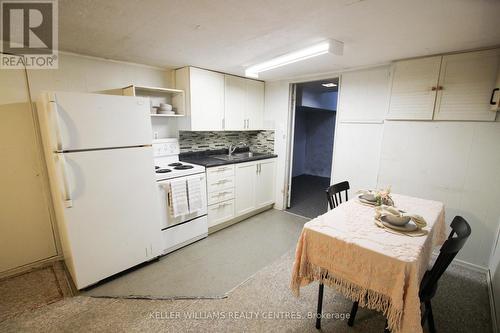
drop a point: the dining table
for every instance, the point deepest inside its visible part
(346, 249)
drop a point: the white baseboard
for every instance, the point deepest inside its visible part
(466, 264)
(29, 267)
(474, 267)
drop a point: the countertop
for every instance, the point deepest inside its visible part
(205, 157)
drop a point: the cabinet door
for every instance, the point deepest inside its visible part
(264, 186)
(255, 104)
(465, 86)
(245, 176)
(220, 212)
(207, 100)
(414, 86)
(235, 102)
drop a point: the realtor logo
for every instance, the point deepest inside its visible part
(29, 34)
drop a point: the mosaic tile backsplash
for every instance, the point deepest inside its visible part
(258, 141)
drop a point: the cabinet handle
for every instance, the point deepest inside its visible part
(440, 88)
(223, 123)
(220, 182)
(492, 102)
(433, 89)
(220, 206)
(248, 123)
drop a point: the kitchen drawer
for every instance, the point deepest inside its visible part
(220, 212)
(223, 195)
(223, 171)
(220, 184)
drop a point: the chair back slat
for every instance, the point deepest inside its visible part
(334, 193)
(460, 233)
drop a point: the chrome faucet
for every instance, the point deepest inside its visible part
(232, 148)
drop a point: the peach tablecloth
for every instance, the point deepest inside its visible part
(381, 270)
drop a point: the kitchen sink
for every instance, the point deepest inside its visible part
(238, 156)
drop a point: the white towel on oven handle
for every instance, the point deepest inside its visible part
(194, 194)
(178, 200)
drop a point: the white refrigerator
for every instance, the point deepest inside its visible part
(100, 162)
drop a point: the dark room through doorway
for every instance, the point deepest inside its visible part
(312, 150)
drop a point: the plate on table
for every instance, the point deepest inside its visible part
(408, 227)
(367, 198)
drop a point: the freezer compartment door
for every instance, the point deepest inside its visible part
(113, 222)
(92, 121)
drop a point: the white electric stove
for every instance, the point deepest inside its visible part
(192, 226)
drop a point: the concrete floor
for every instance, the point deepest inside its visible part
(211, 267)
(263, 303)
(308, 195)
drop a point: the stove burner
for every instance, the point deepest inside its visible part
(176, 164)
(163, 170)
(156, 167)
(183, 167)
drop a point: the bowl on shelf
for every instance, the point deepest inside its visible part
(165, 107)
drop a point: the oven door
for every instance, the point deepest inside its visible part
(167, 220)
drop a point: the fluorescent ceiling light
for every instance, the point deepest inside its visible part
(329, 84)
(329, 46)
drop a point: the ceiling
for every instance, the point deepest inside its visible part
(226, 35)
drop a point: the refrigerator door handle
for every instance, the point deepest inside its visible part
(56, 122)
(68, 201)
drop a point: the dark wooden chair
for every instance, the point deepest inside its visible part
(460, 232)
(334, 198)
(334, 193)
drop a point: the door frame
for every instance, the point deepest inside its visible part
(289, 146)
(291, 132)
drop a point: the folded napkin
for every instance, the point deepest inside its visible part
(385, 210)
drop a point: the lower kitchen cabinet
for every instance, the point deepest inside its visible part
(254, 185)
(220, 189)
(264, 185)
(244, 187)
(220, 212)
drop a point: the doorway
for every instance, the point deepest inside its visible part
(311, 142)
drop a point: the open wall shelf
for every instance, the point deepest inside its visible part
(157, 95)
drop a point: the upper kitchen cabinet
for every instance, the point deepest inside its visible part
(235, 102)
(450, 87)
(204, 99)
(465, 86)
(244, 103)
(255, 105)
(414, 87)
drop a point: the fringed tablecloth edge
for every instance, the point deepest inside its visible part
(366, 297)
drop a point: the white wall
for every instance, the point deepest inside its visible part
(83, 74)
(454, 162)
(362, 105)
(26, 227)
(276, 117)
